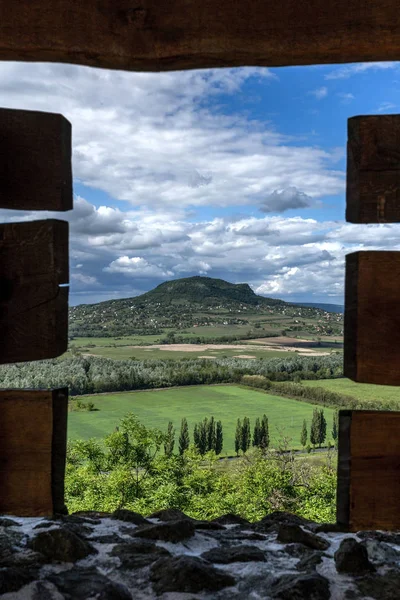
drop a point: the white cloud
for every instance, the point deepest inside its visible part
(288, 257)
(346, 97)
(386, 106)
(136, 266)
(86, 280)
(282, 200)
(319, 93)
(355, 69)
(156, 141)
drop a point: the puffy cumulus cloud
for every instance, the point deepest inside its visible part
(136, 266)
(88, 219)
(118, 253)
(314, 280)
(157, 140)
(82, 279)
(293, 258)
(282, 200)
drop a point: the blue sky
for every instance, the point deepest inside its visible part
(232, 173)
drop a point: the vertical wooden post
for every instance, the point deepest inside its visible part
(35, 174)
(33, 306)
(372, 317)
(368, 495)
(35, 166)
(373, 169)
(33, 428)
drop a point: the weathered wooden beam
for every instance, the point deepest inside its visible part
(155, 35)
(373, 169)
(35, 166)
(368, 471)
(33, 306)
(372, 317)
(33, 438)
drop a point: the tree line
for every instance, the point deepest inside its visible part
(315, 395)
(243, 438)
(208, 436)
(91, 375)
(318, 429)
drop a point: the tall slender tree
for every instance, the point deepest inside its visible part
(184, 439)
(304, 434)
(203, 431)
(264, 433)
(238, 436)
(196, 436)
(211, 434)
(335, 427)
(169, 440)
(315, 427)
(322, 428)
(246, 435)
(219, 438)
(257, 433)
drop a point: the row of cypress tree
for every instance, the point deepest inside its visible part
(318, 429)
(207, 435)
(243, 434)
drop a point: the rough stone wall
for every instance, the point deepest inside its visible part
(124, 556)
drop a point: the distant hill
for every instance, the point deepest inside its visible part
(205, 291)
(334, 308)
(180, 304)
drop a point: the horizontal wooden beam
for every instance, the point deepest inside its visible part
(368, 467)
(373, 169)
(372, 317)
(33, 431)
(35, 166)
(33, 306)
(154, 35)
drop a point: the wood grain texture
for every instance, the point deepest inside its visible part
(343, 469)
(152, 35)
(33, 308)
(59, 449)
(372, 318)
(30, 422)
(375, 467)
(373, 169)
(35, 166)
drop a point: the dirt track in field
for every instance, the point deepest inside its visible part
(204, 347)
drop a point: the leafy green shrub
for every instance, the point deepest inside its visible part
(128, 470)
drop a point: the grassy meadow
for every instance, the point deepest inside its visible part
(225, 402)
(363, 391)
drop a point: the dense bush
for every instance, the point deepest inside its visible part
(129, 470)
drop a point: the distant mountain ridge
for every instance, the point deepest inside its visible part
(179, 304)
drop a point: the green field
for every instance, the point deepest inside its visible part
(363, 391)
(115, 341)
(225, 402)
